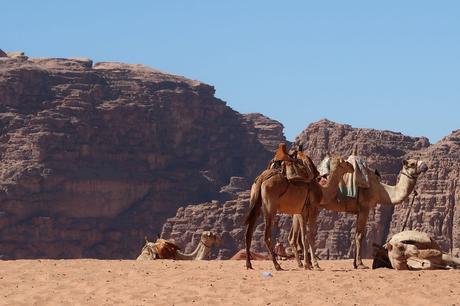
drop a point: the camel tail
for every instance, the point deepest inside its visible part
(452, 261)
(255, 202)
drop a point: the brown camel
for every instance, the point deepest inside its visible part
(367, 198)
(241, 255)
(273, 193)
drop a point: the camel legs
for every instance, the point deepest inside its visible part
(269, 217)
(359, 235)
(305, 242)
(249, 233)
(312, 214)
(294, 240)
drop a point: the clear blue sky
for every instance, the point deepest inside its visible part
(391, 65)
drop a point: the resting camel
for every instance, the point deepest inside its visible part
(272, 193)
(164, 249)
(367, 198)
(241, 255)
(413, 250)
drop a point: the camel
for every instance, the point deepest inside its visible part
(241, 255)
(164, 249)
(367, 198)
(272, 192)
(413, 250)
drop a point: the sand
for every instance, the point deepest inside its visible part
(161, 282)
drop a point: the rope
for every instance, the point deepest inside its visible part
(409, 210)
(423, 263)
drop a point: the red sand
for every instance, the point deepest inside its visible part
(161, 282)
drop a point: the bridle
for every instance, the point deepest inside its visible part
(411, 176)
(202, 241)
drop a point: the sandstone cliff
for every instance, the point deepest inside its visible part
(94, 157)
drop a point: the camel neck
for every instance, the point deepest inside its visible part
(398, 193)
(329, 191)
(200, 253)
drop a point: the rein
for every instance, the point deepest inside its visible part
(205, 244)
(409, 209)
(414, 177)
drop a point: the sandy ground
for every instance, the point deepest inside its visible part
(128, 282)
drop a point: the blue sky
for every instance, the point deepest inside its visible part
(391, 65)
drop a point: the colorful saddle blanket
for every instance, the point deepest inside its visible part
(350, 183)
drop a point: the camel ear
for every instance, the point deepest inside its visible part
(146, 240)
(388, 246)
(405, 163)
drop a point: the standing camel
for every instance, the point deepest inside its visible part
(377, 193)
(273, 193)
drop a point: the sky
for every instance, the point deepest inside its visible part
(391, 65)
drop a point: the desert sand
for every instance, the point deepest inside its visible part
(162, 282)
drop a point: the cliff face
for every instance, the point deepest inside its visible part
(95, 157)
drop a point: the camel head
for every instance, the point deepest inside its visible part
(149, 249)
(210, 239)
(413, 168)
(337, 163)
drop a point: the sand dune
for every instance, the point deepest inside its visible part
(127, 282)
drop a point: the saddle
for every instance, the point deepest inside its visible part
(296, 167)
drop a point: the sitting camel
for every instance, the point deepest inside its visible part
(272, 192)
(412, 250)
(164, 249)
(367, 198)
(241, 255)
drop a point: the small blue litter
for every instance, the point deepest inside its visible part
(267, 274)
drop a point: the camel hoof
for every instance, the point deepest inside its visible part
(249, 267)
(307, 267)
(278, 268)
(361, 267)
(318, 268)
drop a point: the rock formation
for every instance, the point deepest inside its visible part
(95, 157)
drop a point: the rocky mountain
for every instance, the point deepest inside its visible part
(95, 156)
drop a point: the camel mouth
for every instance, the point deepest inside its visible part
(423, 168)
